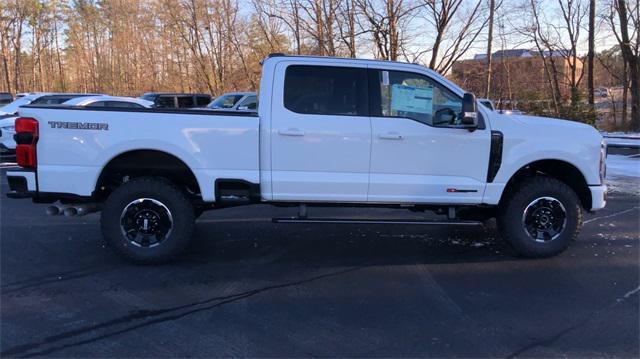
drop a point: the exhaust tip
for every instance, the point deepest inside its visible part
(70, 212)
(53, 211)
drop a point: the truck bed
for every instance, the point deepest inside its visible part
(79, 142)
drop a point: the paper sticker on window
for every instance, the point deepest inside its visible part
(412, 99)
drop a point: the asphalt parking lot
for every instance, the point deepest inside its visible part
(251, 288)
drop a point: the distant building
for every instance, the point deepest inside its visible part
(517, 74)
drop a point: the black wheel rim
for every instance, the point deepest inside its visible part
(544, 219)
(146, 222)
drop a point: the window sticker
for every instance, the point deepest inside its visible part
(412, 99)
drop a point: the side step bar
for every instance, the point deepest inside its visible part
(377, 221)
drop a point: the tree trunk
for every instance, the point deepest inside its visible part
(487, 91)
(591, 54)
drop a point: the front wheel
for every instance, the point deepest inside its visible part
(541, 217)
(148, 220)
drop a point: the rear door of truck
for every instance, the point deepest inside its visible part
(321, 132)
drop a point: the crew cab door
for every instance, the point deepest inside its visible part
(418, 155)
(320, 133)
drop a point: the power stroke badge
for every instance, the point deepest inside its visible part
(79, 125)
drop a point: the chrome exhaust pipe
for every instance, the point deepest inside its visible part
(70, 212)
(82, 209)
(54, 211)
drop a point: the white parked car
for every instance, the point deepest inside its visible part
(235, 101)
(109, 101)
(9, 113)
(329, 132)
(487, 103)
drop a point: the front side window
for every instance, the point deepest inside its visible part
(250, 103)
(415, 96)
(225, 101)
(326, 90)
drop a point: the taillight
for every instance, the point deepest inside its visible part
(26, 138)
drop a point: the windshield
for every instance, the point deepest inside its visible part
(225, 101)
(13, 106)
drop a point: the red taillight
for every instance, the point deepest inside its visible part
(26, 138)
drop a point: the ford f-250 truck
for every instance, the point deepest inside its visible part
(329, 132)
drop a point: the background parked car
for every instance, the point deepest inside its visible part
(5, 98)
(9, 113)
(177, 100)
(235, 101)
(601, 92)
(39, 98)
(487, 103)
(109, 101)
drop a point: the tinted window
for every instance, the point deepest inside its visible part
(165, 101)
(123, 104)
(250, 103)
(225, 101)
(184, 101)
(326, 90)
(203, 100)
(415, 96)
(97, 104)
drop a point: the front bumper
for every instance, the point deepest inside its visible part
(598, 197)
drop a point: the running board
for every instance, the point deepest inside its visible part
(377, 221)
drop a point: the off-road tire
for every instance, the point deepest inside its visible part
(513, 206)
(159, 189)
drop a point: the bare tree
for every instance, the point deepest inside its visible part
(628, 16)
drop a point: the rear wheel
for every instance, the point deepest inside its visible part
(148, 220)
(541, 217)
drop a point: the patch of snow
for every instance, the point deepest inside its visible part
(623, 174)
(635, 135)
(622, 139)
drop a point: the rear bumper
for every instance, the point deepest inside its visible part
(21, 181)
(598, 197)
(22, 184)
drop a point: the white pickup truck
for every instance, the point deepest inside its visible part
(329, 132)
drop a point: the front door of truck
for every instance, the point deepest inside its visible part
(320, 133)
(417, 154)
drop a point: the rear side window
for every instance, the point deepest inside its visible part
(123, 104)
(203, 100)
(97, 104)
(165, 102)
(184, 101)
(326, 90)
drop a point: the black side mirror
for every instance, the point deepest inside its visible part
(469, 114)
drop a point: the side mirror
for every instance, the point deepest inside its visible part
(469, 114)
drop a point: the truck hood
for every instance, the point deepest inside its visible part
(547, 122)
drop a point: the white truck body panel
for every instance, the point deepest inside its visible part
(70, 160)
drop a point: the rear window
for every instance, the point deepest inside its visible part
(326, 90)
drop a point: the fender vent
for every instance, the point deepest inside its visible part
(495, 155)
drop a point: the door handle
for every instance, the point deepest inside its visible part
(290, 132)
(390, 136)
